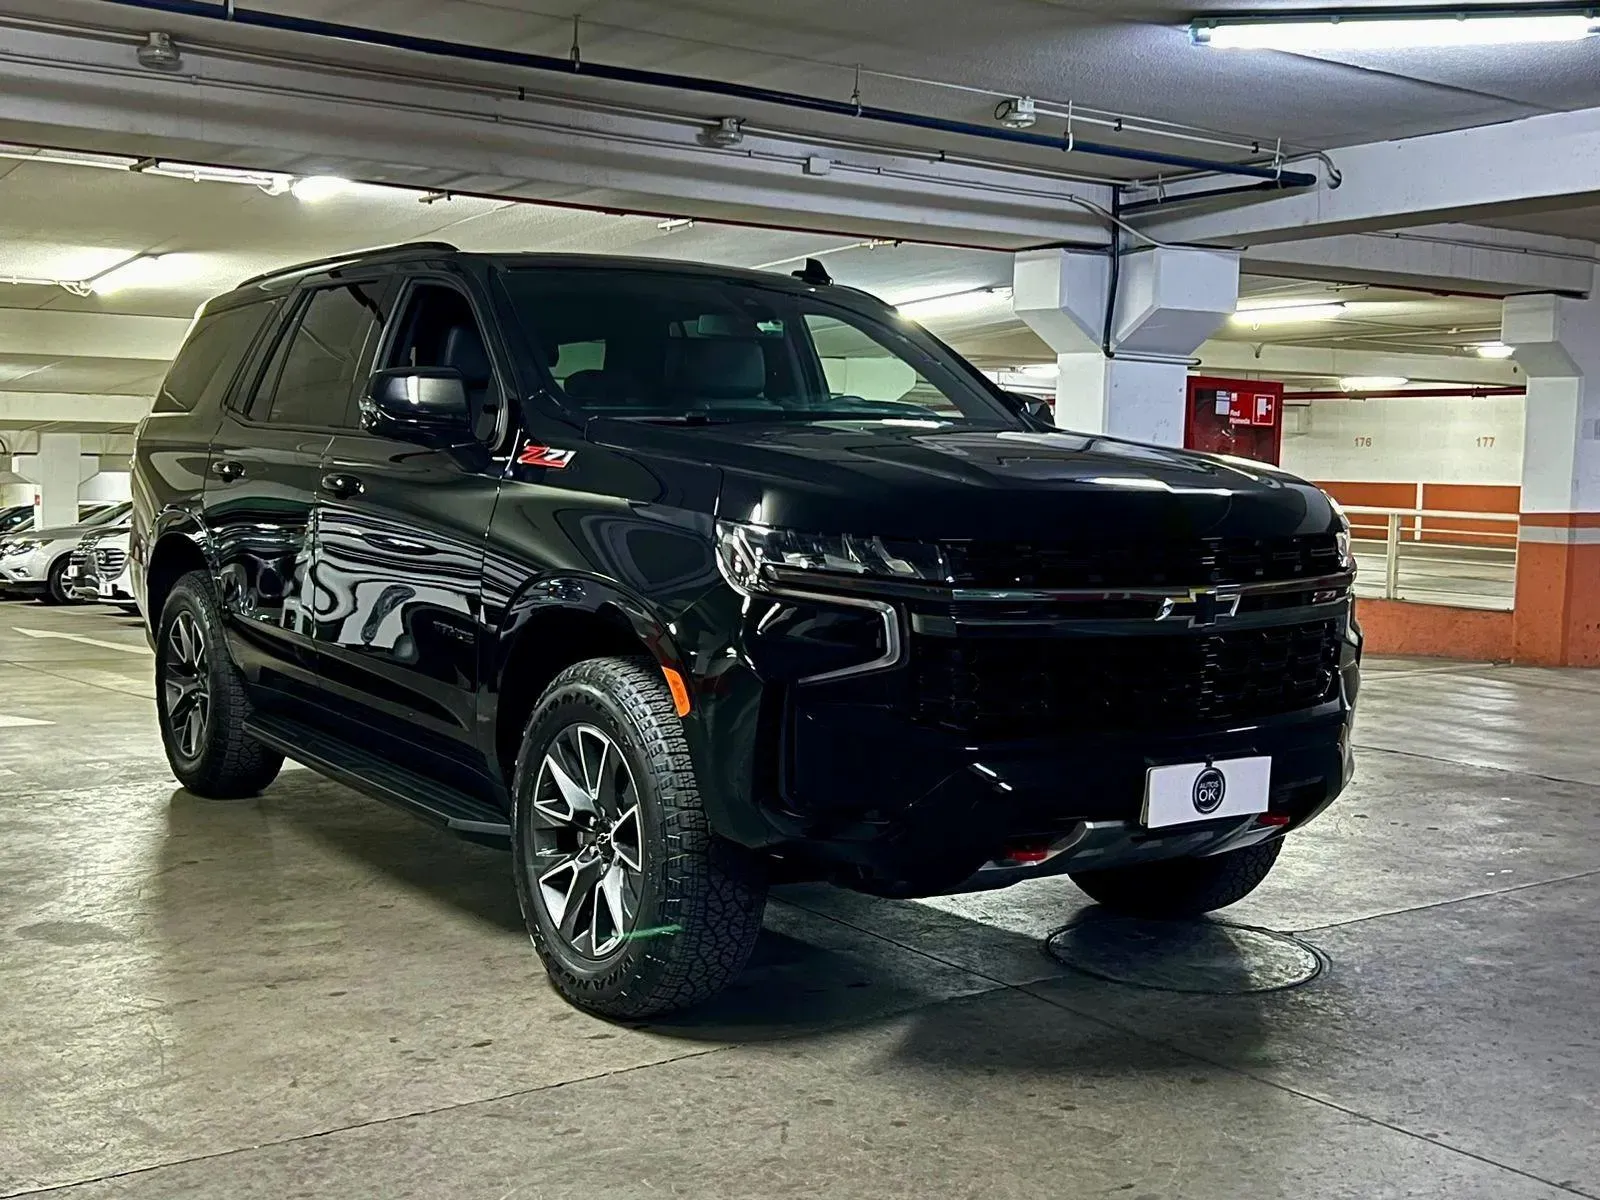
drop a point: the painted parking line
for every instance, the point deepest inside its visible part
(81, 639)
(20, 722)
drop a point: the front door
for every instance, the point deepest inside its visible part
(265, 465)
(400, 535)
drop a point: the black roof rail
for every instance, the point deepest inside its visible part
(351, 257)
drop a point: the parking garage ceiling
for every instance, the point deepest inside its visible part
(1133, 57)
(69, 223)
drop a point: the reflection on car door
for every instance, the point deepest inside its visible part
(399, 559)
(265, 463)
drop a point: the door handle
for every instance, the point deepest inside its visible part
(227, 469)
(342, 486)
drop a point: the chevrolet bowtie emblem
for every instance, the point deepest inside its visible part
(1201, 606)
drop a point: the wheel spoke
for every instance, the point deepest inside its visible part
(185, 686)
(627, 838)
(565, 801)
(588, 839)
(193, 726)
(593, 767)
(621, 907)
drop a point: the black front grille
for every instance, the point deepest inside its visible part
(111, 561)
(1023, 687)
(1132, 563)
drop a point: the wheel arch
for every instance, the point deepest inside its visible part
(175, 550)
(551, 626)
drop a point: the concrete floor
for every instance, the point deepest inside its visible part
(312, 995)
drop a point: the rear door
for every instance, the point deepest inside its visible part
(265, 465)
(400, 532)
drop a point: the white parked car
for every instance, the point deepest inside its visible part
(98, 570)
(35, 563)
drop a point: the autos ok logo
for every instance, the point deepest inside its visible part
(1202, 606)
(1209, 788)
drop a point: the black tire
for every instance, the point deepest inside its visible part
(219, 761)
(55, 585)
(1181, 887)
(697, 899)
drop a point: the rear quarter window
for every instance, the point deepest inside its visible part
(210, 357)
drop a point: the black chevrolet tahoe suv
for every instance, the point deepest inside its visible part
(682, 580)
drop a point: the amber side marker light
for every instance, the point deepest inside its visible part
(680, 692)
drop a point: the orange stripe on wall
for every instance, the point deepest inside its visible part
(1434, 630)
(1470, 497)
(1372, 495)
(1450, 497)
(1575, 520)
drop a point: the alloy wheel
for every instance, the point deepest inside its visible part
(587, 849)
(187, 685)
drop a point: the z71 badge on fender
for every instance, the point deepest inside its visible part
(545, 456)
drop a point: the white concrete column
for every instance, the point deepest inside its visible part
(1557, 342)
(58, 469)
(1168, 302)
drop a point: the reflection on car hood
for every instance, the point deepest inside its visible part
(914, 480)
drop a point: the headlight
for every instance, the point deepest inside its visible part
(1341, 539)
(758, 558)
(22, 547)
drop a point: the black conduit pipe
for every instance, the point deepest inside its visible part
(218, 10)
(1113, 275)
(1241, 189)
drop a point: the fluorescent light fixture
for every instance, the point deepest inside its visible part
(148, 270)
(1287, 314)
(1494, 350)
(273, 182)
(314, 188)
(673, 223)
(1395, 29)
(959, 304)
(1372, 383)
(1040, 370)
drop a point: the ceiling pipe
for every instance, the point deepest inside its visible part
(1433, 393)
(575, 66)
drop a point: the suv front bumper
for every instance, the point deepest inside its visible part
(855, 774)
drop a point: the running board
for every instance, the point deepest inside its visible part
(350, 765)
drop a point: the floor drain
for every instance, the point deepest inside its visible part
(1207, 957)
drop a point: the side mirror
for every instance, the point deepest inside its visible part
(418, 404)
(1035, 408)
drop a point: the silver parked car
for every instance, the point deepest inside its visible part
(98, 570)
(35, 563)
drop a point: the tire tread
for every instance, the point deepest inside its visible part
(713, 891)
(233, 765)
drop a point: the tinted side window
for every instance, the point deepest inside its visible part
(439, 329)
(310, 378)
(209, 359)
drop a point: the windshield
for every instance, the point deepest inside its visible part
(690, 349)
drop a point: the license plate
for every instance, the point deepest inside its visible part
(1190, 792)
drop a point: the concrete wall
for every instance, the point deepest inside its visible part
(1439, 440)
(109, 486)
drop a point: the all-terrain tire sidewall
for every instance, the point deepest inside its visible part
(701, 902)
(230, 764)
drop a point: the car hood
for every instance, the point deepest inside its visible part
(915, 481)
(57, 534)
